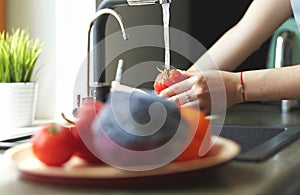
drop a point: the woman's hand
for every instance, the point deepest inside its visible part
(210, 91)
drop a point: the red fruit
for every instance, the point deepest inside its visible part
(202, 137)
(53, 145)
(167, 78)
(82, 131)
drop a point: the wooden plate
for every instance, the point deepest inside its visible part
(77, 172)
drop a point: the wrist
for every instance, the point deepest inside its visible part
(241, 88)
(233, 88)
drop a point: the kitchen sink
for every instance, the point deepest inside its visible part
(258, 143)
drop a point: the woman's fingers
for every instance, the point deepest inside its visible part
(182, 98)
(176, 88)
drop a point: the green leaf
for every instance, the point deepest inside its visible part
(18, 56)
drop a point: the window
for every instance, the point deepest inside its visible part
(63, 26)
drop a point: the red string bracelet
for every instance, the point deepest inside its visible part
(242, 88)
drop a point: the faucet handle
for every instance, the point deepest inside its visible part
(119, 71)
(147, 2)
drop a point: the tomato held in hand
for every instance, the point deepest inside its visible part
(82, 131)
(167, 78)
(54, 144)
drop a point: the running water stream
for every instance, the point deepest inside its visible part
(166, 21)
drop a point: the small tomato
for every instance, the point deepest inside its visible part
(82, 131)
(167, 78)
(54, 144)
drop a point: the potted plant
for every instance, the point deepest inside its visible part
(18, 89)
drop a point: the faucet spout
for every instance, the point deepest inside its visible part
(99, 32)
(97, 15)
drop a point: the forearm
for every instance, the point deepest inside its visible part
(260, 21)
(224, 55)
(272, 84)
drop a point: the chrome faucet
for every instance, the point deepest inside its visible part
(99, 35)
(91, 91)
(99, 89)
(283, 49)
(283, 57)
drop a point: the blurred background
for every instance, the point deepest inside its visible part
(62, 25)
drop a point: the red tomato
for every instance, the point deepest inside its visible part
(54, 144)
(167, 78)
(202, 138)
(82, 132)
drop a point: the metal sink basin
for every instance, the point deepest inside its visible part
(258, 143)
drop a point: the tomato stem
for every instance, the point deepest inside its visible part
(166, 73)
(53, 129)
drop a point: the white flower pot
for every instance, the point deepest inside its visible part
(17, 104)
